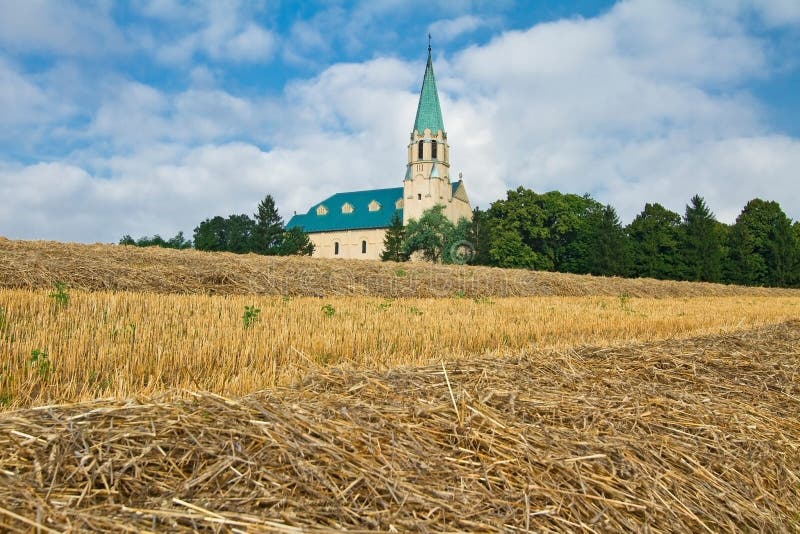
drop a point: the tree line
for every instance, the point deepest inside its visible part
(576, 234)
(264, 233)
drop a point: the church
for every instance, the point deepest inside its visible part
(353, 224)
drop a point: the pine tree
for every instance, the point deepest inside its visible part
(294, 241)
(608, 245)
(268, 232)
(393, 241)
(702, 243)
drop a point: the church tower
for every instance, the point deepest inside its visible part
(427, 180)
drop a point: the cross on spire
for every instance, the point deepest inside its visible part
(429, 41)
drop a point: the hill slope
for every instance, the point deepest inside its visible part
(36, 264)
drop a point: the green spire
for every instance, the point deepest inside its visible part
(429, 114)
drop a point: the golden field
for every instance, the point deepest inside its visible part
(122, 344)
(373, 396)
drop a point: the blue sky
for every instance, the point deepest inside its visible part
(148, 116)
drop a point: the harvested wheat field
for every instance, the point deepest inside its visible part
(40, 264)
(692, 435)
(122, 344)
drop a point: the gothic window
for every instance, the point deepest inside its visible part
(363, 247)
(347, 208)
(374, 205)
(336, 248)
(433, 149)
(322, 210)
(419, 149)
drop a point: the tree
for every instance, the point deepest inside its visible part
(177, 242)
(234, 234)
(655, 236)
(436, 237)
(607, 245)
(295, 241)
(268, 230)
(211, 235)
(701, 247)
(478, 235)
(538, 231)
(762, 246)
(795, 279)
(393, 241)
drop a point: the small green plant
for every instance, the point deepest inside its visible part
(414, 310)
(483, 300)
(40, 363)
(460, 294)
(250, 315)
(328, 310)
(623, 300)
(60, 295)
(385, 305)
(287, 299)
(399, 273)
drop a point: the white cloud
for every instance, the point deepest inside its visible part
(60, 28)
(612, 106)
(446, 30)
(220, 31)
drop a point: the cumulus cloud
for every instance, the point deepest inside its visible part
(220, 31)
(448, 29)
(614, 106)
(59, 28)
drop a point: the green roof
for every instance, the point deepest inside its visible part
(359, 219)
(429, 113)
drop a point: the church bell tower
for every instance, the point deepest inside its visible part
(427, 180)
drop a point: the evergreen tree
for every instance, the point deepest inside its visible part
(762, 246)
(393, 241)
(268, 230)
(795, 278)
(608, 249)
(655, 237)
(295, 241)
(702, 243)
(478, 235)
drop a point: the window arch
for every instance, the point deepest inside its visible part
(433, 149)
(363, 247)
(419, 149)
(335, 248)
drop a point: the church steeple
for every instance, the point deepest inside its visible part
(427, 180)
(429, 113)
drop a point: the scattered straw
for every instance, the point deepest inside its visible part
(681, 435)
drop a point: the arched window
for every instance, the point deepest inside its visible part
(363, 247)
(336, 248)
(419, 149)
(433, 149)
